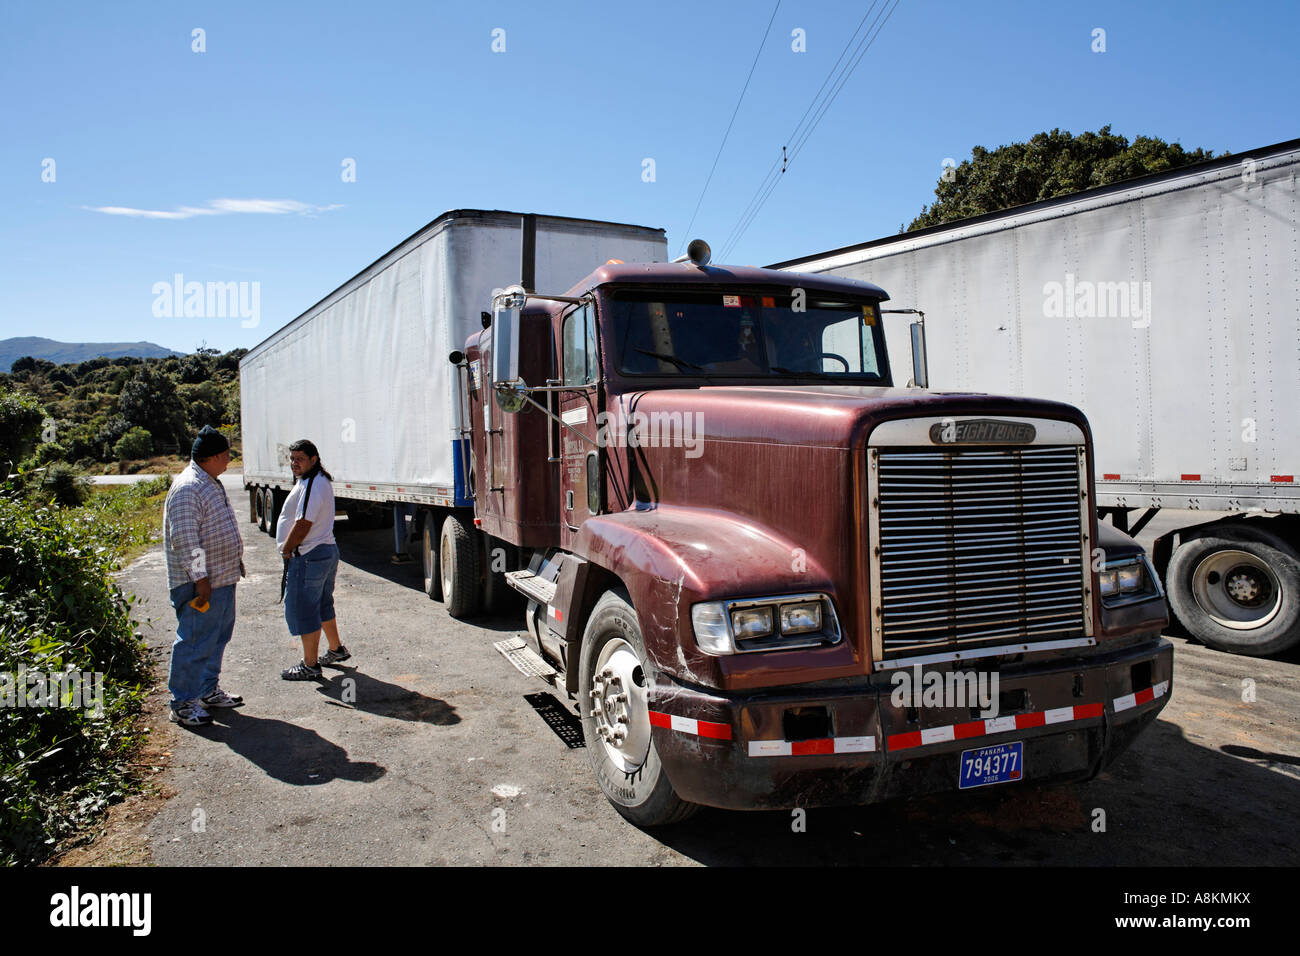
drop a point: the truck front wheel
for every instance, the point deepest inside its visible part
(1237, 589)
(613, 683)
(458, 565)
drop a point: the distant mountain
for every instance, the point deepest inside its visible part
(62, 353)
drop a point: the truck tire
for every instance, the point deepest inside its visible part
(254, 504)
(614, 675)
(458, 567)
(429, 554)
(1237, 589)
(268, 510)
(278, 499)
(260, 503)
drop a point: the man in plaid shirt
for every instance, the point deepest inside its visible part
(204, 563)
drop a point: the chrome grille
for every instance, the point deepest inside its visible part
(978, 545)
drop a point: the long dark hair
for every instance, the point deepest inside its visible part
(308, 449)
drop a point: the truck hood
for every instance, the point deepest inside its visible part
(825, 415)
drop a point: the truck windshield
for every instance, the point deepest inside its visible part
(746, 335)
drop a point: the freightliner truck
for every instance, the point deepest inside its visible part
(737, 538)
(1167, 308)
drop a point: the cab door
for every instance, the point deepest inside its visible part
(581, 461)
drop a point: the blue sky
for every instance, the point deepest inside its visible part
(230, 160)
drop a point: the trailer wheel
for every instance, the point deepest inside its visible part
(260, 503)
(614, 677)
(278, 499)
(254, 503)
(1237, 589)
(429, 553)
(268, 511)
(458, 567)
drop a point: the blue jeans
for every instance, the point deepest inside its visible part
(201, 640)
(309, 589)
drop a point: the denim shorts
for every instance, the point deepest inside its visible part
(309, 590)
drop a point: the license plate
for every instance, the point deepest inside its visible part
(988, 765)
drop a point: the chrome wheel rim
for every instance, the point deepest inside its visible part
(445, 557)
(1237, 590)
(619, 707)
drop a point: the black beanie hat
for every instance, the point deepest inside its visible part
(208, 443)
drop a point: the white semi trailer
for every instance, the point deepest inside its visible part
(1167, 308)
(364, 375)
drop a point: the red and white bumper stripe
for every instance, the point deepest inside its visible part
(1129, 701)
(993, 725)
(802, 748)
(689, 725)
(914, 738)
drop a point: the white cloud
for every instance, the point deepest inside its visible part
(219, 207)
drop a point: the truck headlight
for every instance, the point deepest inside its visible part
(1130, 578)
(1127, 580)
(751, 622)
(761, 624)
(1109, 582)
(801, 618)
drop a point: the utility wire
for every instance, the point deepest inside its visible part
(796, 141)
(709, 179)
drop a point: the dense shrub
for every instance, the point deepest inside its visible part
(60, 611)
(136, 443)
(20, 426)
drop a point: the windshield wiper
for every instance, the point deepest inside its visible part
(680, 363)
(790, 371)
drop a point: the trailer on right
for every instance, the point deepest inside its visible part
(1167, 308)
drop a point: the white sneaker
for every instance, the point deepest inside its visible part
(190, 713)
(219, 698)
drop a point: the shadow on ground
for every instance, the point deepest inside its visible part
(287, 752)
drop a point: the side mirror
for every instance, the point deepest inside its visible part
(920, 366)
(506, 384)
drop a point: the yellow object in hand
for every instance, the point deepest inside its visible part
(201, 608)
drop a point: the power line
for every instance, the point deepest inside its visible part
(769, 182)
(761, 44)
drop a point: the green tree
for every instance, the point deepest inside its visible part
(1050, 164)
(149, 400)
(20, 426)
(136, 443)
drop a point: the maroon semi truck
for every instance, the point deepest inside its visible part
(739, 539)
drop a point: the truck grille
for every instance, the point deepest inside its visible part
(979, 545)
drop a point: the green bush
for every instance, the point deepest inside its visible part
(50, 451)
(64, 485)
(136, 443)
(20, 426)
(60, 611)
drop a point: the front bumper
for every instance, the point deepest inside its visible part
(1075, 715)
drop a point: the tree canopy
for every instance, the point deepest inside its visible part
(1050, 164)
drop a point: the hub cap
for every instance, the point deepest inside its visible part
(1236, 589)
(618, 705)
(445, 561)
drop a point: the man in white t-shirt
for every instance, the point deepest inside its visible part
(305, 536)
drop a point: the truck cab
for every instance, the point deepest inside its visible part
(750, 555)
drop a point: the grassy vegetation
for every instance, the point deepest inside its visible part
(60, 610)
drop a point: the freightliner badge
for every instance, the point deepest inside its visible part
(984, 431)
